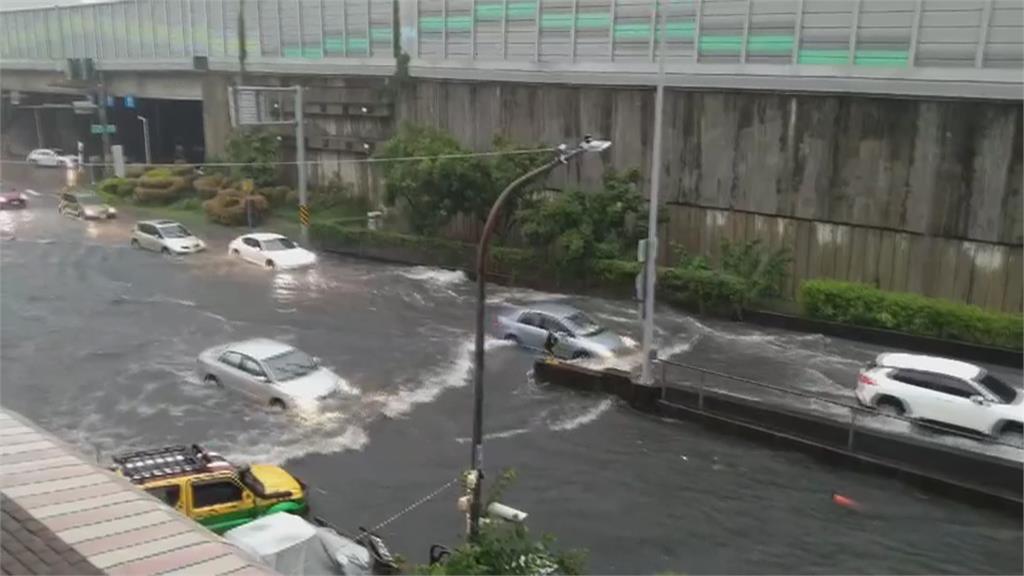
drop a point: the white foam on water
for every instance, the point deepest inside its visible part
(291, 444)
(585, 417)
(453, 373)
(438, 276)
(496, 435)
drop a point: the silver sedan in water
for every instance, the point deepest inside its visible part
(271, 372)
(569, 332)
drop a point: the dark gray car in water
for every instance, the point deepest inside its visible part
(567, 331)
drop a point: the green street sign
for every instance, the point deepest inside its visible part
(98, 129)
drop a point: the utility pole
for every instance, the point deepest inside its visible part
(651, 258)
(145, 138)
(102, 108)
(300, 158)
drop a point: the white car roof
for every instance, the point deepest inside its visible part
(263, 236)
(260, 348)
(159, 222)
(929, 364)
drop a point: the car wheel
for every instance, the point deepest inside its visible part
(512, 338)
(212, 380)
(269, 264)
(165, 251)
(277, 404)
(890, 407)
(135, 243)
(580, 355)
(235, 253)
(1012, 435)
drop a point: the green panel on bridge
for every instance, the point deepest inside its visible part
(806, 56)
(380, 33)
(895, 58)
(514, 10)
(98, 129)
(770, 44)
(675, 30)
(334, 44)
(721, 44)
(586, 20)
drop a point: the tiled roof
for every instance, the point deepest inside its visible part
(65, 515)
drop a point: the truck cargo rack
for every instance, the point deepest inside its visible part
(145, 465)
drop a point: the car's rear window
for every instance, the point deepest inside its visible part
(1000, 389)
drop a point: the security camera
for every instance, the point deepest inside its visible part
(506, 513)
(589, 144)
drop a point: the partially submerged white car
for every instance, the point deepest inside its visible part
(165, 236)
(271, 372)
(272, 251)
(290, 545)
(948, 392)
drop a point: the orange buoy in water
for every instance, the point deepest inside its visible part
(840, 500)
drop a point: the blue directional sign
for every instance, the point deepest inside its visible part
(129, 101)
(110, 101)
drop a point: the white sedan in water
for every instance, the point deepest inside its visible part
(51, 157)
(270, 372)
(270, 250)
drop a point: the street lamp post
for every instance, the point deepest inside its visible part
(145, 138)
(564, 154)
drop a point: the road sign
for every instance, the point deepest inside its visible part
(129, 101)
(110, 101)
(304, 215)
(98, 128)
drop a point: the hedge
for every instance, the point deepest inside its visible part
(706, 290)
(865, 305)
(120, 187)
(228, 208)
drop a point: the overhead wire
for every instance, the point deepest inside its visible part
(370, 160)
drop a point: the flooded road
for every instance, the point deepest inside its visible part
(98, 344)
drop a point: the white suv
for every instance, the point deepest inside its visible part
(948, 392)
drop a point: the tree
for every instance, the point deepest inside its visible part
(508, 549)
(255, 151)
(435, 187)
(577, 226)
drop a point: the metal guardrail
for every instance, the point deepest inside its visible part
(853, 423)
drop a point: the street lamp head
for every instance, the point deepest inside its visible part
(590, 144)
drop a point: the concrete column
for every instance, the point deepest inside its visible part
(216, 114)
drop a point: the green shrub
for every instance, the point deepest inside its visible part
(135, 170)
(144, 195)
(120, 187)
(161, 182)
(229, 208)
(255, 150)
(865, 305)
(508, 549)
(183, 170)
(162, 172)
(276, 195)
(576, 226)
(191, 204)
(206, 187)
(709, 290)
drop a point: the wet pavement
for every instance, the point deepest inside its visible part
(98, 344)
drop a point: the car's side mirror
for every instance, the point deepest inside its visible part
(316, 360)
(979, 400)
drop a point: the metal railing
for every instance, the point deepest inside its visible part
(856, 419)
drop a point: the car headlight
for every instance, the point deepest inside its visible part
(23, 197)
(111, 209)
(3, 200)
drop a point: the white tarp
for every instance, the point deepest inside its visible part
(292, 546)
